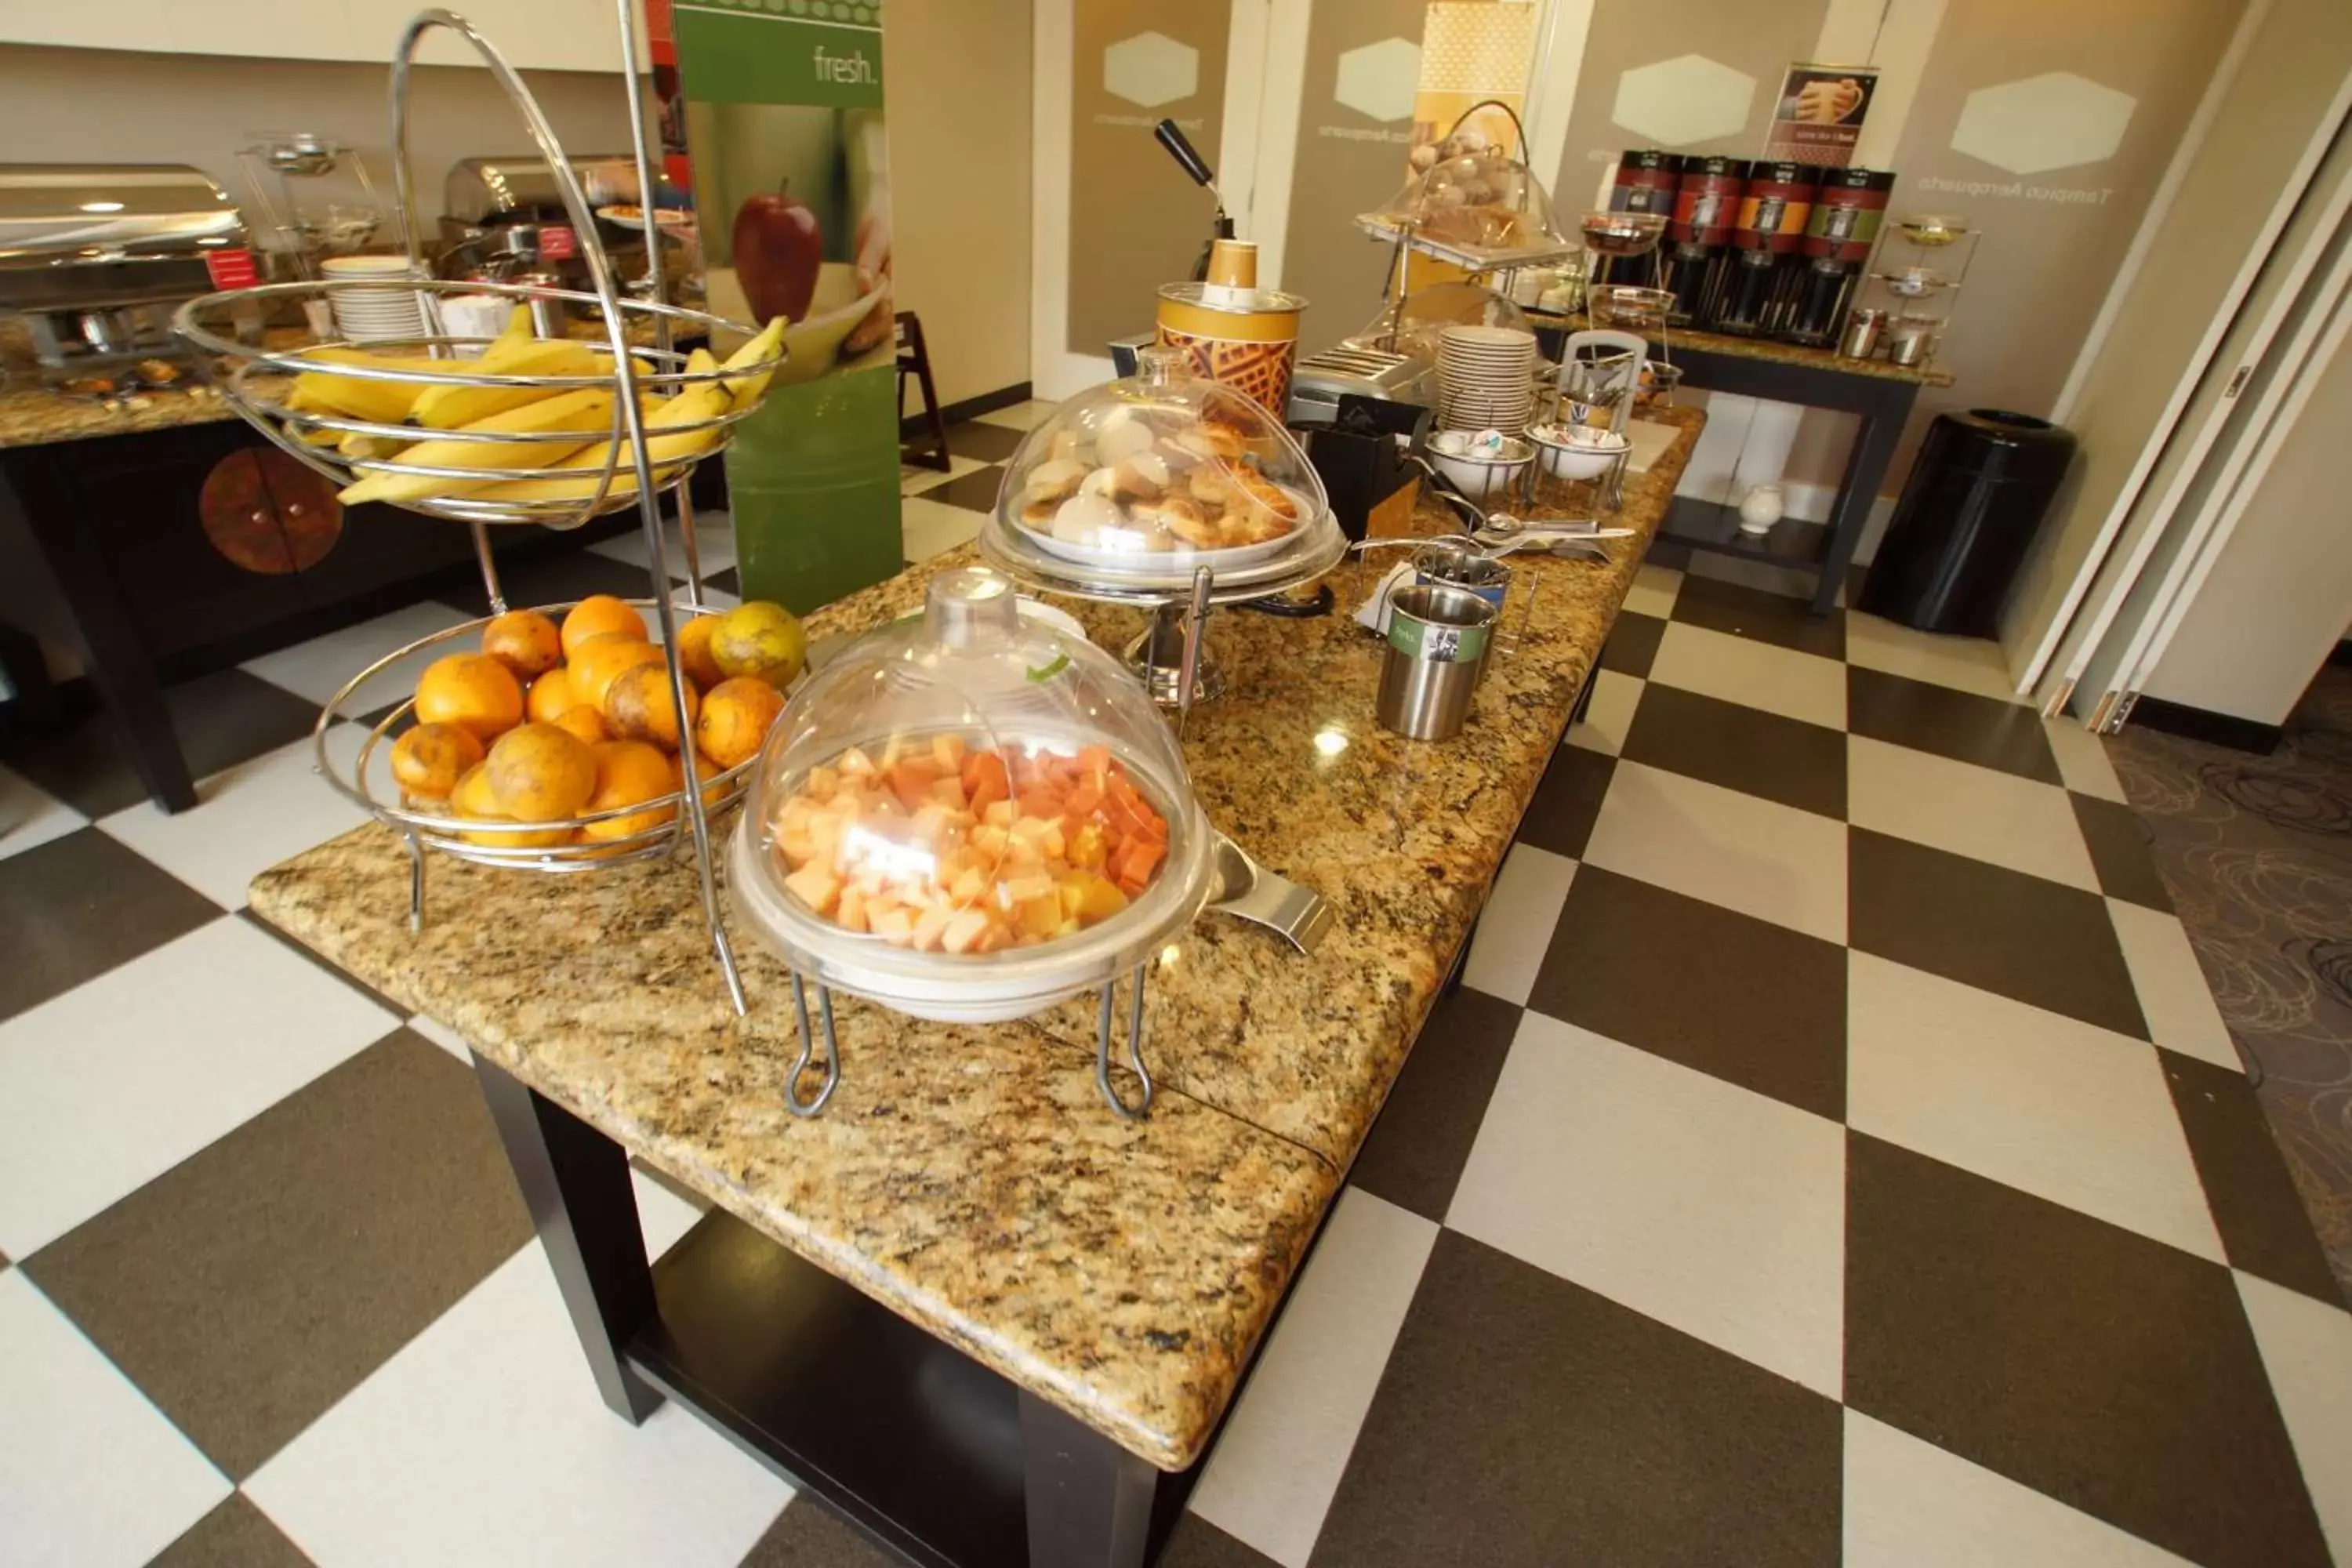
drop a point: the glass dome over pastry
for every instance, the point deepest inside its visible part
(1483, 202)
(1161, 471)
(970, 815)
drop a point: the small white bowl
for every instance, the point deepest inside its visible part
(1577, 451)
(1479, 477)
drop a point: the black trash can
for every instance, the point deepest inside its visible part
(1973, 502)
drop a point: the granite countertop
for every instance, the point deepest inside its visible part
(969, 1178)
(1765, 349)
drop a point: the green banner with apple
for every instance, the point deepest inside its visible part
(784, 123)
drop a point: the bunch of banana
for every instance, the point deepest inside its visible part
(568, 418)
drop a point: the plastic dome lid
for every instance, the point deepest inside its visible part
(970, 815)
(1158, 471)
(1478, 201)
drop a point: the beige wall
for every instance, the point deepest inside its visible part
(2273, 607)
(959, 91)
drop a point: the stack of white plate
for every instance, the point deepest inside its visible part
(374, 315)
(1486, 378)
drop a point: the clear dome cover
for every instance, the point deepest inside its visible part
(1163, 470)
(1482, 205)
(970, 815)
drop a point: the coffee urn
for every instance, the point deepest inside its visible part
(1698, 250)
(1758, 295)
(1646, 182)
(1839, 235)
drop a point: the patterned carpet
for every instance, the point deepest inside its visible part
(2257, 852)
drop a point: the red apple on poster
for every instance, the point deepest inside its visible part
(778, 249)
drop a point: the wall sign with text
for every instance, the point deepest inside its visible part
(1819, 117)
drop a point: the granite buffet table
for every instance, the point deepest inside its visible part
(967, 1307)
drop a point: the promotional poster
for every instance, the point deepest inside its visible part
(1819, 117)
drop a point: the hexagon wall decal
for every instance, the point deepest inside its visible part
(1381, 79)
(2043, 122)
(1151, 68)
(1688, 99)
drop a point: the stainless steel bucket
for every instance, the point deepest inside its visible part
(1437, 639)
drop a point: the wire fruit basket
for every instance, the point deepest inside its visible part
(559, 434)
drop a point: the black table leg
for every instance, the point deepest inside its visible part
(1865, 466)
(1089, 1501)
(576, 1181)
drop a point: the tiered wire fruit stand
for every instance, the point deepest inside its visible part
(638, 470)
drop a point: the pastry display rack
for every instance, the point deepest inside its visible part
(509, 475)
(1482, 211)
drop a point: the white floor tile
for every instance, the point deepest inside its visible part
(1609, 713)
(2306, 1348)
(30, 815)
(2082, 760)
(2173, 995)
(930, 528)
(1020, 416)
(91, 1474)
(1753, 673)
(663, 1215)
(1719, 1212)
(714, 533)
(914, 480)
(2044, 1103)
(442, 1036)
(316, 669)
(1982, 813)
(1910, 1504)
(112, 1084)
(248, 819)
(1756, 855)
(1271, 1476)
(483, 1441)
(1967, 664)
(1515, 929)
(1653, 590)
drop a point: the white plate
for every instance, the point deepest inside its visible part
(672, 220)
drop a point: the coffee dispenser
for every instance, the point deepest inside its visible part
(1839, 235)
(1758, 292)
(1646, 183)
(1698, 250)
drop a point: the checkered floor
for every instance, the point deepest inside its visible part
(1833, 1153)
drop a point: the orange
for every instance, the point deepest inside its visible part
(540, 773)
(552, 694)
(599, 661)
(707, 770)
(735, 718)
(629, 773)
(430, 759)
(472, 798)
(471, 691)
(584, 721)
(641, 705)
(524, 641)
(694, 651)
(596, 615)
(761, 640)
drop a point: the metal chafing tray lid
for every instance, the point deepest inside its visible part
(53, 214)
(478, 188)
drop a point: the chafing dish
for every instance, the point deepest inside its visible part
(97, 256)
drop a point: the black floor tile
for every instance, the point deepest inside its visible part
(1768, 618)
(74, 907)
(1741, 747)
(236, 1534)
(1633, 644)
(573, 575)
(2027, 938)
(987, 443)
(1414, 1153)
(2104, 1369)
(222, 720)
(1197, 1543)
(808, 1534)
(726, 582)
(1525, 1421)
(1566, 800)
(1956, 724)
(974, 491)
(2119, 842)
(1747, 1001)
(2264, 1227)
(257, 1282)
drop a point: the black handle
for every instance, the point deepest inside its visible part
(1172, 138)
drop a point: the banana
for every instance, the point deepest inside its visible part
(451, 407)
(570, 417)
(701, 402)
(381, 402)
(748, 390)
